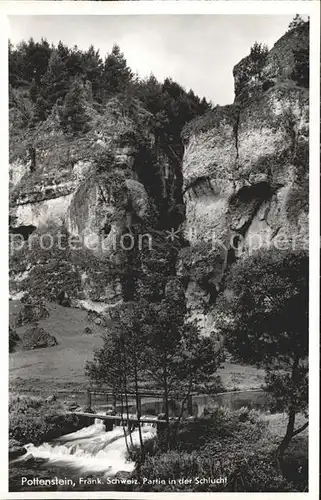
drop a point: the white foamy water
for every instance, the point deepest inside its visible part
(89, 450)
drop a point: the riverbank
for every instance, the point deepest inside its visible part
(236, 446)
(37, 420)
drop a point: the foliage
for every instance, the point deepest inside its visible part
(211, 118)
(233, 445)
(116, 73)
(33, 420)
(74, 116)
(267, 302)
(56, 264)
(248, 73)
(258, 54)
(54, 83)
(301, 70)
(150, 340)
(296, 21)
(13, 339)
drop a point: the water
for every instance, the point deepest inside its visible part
(93, 452)
(89, 452)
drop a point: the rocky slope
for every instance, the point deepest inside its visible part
(245, 170)
(106, 189)
(244, 179)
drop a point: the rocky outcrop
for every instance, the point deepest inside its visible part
(110, 185)
(32, 311)
(245, 171)
(37, 338)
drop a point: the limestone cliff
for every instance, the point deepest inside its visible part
(243, 180)
(111, 183)
(245, 171)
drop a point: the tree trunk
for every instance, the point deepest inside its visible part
(138, 408)
(123, 423)
(292, 411)
(166, 407)
(288, 436)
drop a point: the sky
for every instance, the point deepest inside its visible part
(197, 51)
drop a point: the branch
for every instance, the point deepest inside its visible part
(300, 429)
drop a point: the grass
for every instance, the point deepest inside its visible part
(59, 367)
(241, 377)
(62, 367)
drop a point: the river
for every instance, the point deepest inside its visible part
(92, 453)
(88, 453)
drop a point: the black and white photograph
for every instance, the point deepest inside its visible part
(159, 253)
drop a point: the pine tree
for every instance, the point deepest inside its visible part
(296, 21)
(54, 84)
(92, 65)
(74, 117)
(117, 74)
(40, 111)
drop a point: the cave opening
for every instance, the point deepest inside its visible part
(24, 231)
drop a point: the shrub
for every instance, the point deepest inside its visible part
(37, 338)
(13, 339)
(241, 472)
(33, 420)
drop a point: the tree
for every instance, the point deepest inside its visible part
(55, 82)
(296, 21)
(120, 363)
(74, 116)
(92, 65)
(150, 342)
(258, 55)
(264, 317)
(179, 359)
(116, 73)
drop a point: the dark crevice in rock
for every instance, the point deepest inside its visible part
(201, 185)
(248, 201)
(105, 229)
(236, 131)
(24, 231)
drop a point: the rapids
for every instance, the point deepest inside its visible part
(89, 450)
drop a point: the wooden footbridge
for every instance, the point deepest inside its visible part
(115, 414)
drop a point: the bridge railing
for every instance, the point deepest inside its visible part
(147, 402)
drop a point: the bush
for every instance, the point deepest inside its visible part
(240, 472)
(221, 427)
(13, 339)
(32, 311)
(231, 449)
(36, 421)
(37, 338)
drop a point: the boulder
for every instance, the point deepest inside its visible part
(63, 299)
(88, 331)
(72, 406)
(37, 338)
(32, 311)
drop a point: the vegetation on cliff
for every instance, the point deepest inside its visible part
(130, 132)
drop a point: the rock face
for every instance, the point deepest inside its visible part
(99, 196)
(245, 170)
(243, 180)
